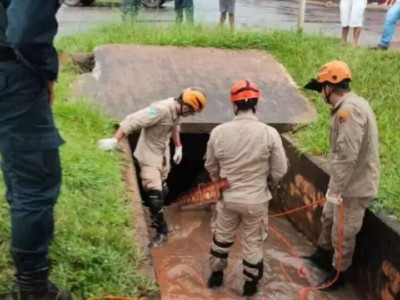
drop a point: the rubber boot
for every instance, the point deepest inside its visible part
(162, 231)
(159, 239)
(322, 258)
(250, 288)
(165, 189)
(216, 279)
(331, 276)
(35, 286)
(155, 202)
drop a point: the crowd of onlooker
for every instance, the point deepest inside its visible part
(351, 16)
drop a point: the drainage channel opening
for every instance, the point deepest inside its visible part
(190, 172)
(183, 260)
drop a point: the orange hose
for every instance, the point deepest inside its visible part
(303, 293)
(288, 212)
(302, 271)
(305, 290)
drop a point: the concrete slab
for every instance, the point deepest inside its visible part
(127, 78)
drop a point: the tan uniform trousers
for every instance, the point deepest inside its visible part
(153, 177)
(253, 219)
(354, 211)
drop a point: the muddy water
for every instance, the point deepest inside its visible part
(182, 263)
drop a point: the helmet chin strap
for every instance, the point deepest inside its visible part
(327, 95)
(180, 101)
(235, 110)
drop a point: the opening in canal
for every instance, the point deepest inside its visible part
(190, 172)
(181, 264)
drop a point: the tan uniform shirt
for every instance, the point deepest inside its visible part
(354, 153)
(246, 151)
(156, 123)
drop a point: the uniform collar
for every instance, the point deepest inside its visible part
(245, 116)
(172, 108)
(339, 104)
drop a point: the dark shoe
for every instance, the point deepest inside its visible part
(216, 279)
(380, 47)
(322, 258)
(335, 285)
(159, 239)
(250, 288)
(49, 293)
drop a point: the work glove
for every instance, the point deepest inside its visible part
(333, 198)
(107, 144)
(178, 155)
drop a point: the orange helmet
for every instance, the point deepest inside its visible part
(333, 72)
(194, 98)
(243, 90)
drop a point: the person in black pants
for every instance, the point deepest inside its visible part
(180, 7)
(29, 140)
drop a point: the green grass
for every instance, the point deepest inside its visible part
(93, 252)
(376, 77)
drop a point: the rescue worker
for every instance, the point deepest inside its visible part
(156, 123)
(245, 151)
(29, 140)
(354, 167)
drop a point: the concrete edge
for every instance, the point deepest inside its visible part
(322, 163)
(142, 237)
(376, 262)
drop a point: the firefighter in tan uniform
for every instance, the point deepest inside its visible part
(245, 151)
(157, 123)
(354, 168)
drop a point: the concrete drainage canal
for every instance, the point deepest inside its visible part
(181, 264)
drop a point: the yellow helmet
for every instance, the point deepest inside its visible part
(194, 98)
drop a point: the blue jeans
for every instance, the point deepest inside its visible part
(392, 17)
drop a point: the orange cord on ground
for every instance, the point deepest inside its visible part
(302, 271)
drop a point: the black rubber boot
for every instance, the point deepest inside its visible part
(216, 279)
(331, 276)
(250, 288)
(35, 286)
(165, 190)
(322, 258)
(159, 239)
(155, 203)
(162, 231)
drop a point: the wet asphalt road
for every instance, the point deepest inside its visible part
(250, 14)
